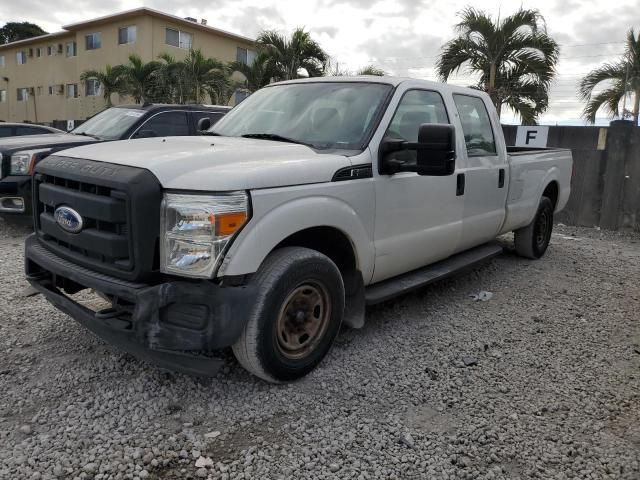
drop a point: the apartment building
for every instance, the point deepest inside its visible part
(40, 77)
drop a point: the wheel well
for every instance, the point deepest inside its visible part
(551, 192)
(330, 242)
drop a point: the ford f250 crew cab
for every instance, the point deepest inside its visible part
(18, 155)
(310, 200)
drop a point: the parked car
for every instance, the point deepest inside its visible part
(19, 129)
(20, 154)
(310, 200)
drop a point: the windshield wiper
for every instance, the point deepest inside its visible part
(275, 137)
(209, 134)
(85, 134)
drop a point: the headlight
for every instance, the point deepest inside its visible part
(22, 163)
(195, 229)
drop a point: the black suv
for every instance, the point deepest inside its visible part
(20, 154)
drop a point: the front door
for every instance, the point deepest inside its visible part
(418, 218)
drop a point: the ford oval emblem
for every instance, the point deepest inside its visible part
(68, 219)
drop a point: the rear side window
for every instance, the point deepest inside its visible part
(30, 131)
(167, 124)
(5, 131)
(212, 116)
(476, 125)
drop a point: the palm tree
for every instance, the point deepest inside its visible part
(622, 77)
(198, 71)
(111, 79)
(514, 56)
(371, 70)
(289, 55)
(168, 86)
(258, 74)
(140, 77)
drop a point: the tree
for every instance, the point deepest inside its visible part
(289, 55)
(622, 77)
(168, 84)
(371, 70)
(111, 79)
(140, 78)
(514, 57)
(14, 31)
(258, 74)
(198, 72)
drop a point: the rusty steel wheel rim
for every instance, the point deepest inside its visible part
(303, 320)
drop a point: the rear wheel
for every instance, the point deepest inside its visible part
(297, 315)
(532, 241)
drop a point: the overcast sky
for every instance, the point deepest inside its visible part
(401, 36)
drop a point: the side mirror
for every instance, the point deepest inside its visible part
(145, 134)
(435, 152)
(204, 124)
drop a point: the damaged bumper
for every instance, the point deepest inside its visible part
(170, 324)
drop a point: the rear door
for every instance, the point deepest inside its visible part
(485, 178)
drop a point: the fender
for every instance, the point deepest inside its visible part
(271, 225)
(523, 201)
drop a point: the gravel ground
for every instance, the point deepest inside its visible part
(540, 381)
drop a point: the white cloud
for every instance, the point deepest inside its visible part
(401, 36)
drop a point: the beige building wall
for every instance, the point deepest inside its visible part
(40, 73)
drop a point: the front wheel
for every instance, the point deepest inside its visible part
(296, 317)
(532, 241)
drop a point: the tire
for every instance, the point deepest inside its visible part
(532, 241)
(296, 318)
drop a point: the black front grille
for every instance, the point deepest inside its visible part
(104, 235)
(119, 207)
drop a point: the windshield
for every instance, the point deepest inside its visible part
(110, 124)
(328, 115)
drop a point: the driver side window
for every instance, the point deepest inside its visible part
(416, 108)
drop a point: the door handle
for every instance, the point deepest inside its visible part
(501, 178)
(460, 181)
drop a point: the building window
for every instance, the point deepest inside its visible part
(1, 60)
(127, 35)
(72, 90)
(245, 55)
(21, 57)
(40, 52)
(51, 89)
(93, 41)
(39, 91)
(92, 87)
(178, 38)
(23, 94)
(72, 49)
(3, 96)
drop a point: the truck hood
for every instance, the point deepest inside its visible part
(42, 141)
(212, 163)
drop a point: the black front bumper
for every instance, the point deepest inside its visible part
(172, 324)
(15, 187)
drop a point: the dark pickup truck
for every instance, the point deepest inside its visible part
(18, 155)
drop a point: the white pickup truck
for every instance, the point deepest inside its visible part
(307, 202)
